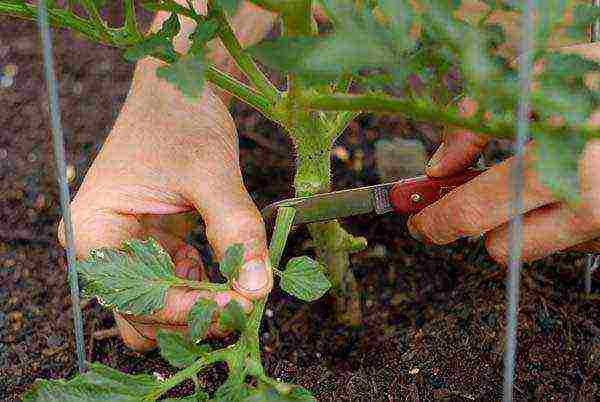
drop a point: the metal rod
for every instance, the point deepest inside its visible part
(59, 156)
(516, 225)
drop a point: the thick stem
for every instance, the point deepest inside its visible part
(332, 243)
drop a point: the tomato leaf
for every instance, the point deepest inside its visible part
(152, 45)
(233, 317)
(177, 350)
(304, 278)
(199, 396)
(557, 161)
(100, 383)
(187, 74)
(200, 317)
(232, 261)
(134, 280)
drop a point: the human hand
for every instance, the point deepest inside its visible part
(483, 206)
(166, 156)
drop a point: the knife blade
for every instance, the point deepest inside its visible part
(407, 196)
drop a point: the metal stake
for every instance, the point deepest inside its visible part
(59, 156)
(516, 225)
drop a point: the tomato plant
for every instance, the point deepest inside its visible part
(367, 61)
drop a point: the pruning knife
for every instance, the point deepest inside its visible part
(406, 196)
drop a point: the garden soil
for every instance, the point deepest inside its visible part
(433, 324)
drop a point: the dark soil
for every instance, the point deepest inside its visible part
(433, 316)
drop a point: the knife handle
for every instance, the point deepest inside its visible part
(411, 196)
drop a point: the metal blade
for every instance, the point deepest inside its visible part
(337, 204)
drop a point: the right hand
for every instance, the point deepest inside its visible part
(166, 156)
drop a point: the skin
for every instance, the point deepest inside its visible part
(167, 156)
(482, 206)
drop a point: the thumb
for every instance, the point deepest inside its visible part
(460, 148)
(231, 217)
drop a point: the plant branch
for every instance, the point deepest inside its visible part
(130, 19)
(243, 60)
(271, 5)
(283, 226)
(426, 111)
(189, 372)
(197, 285)
(96, 18)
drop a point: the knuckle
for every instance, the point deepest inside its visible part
(496, 248)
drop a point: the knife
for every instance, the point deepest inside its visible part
(406, 196)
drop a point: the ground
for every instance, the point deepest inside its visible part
(433, 316)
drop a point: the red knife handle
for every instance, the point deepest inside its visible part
(411, 196)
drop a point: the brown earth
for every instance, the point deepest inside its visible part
(434, 316)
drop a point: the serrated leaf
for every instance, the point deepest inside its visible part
(133, 281)
(230, 6)
(233, 317)
(149, 46)
(177, 350)
(200, 317)
(304, 278)
(233, 389)
(187, 74)
(99, 384)
(232, 261)
(170, 27)
(557, 162)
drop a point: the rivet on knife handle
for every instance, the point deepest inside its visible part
(411, 196)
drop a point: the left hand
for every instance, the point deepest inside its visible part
(483, 205)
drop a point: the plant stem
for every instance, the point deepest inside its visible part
(209, 286)
(332, 243)
(243, 60)
(96, 18)
(180, 376)
(427, 111)
(242, 92)
(130, 19)
(283, 226)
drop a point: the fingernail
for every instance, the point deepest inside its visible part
(253, 276)
(437, 156)
(182, 270)
(412, 230)
(194, 274)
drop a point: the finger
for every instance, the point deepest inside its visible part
(231, 217)
(139, 332)
(480, 205)
(592, 246)
(460, 148)
(546, 230)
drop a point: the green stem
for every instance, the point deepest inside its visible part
(243, 60)
(283, 226)
(180, 376)
(242, 92)
(208, 286)
(271, 5)
(96, 18)
(130, 19)
(56, 20)
(426, 111)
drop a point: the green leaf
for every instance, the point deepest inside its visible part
(233, 317)
(200, 317)
(557, 161)
(177, 350)
(232, 261)
(230, 6)
(233, 389)
(150, 46)
(401, 15)
(133, 281)
(170, 27)
(187, 74)
(100, 383)
(304, 278)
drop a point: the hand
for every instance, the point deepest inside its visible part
(166, 156)
(483, 206)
